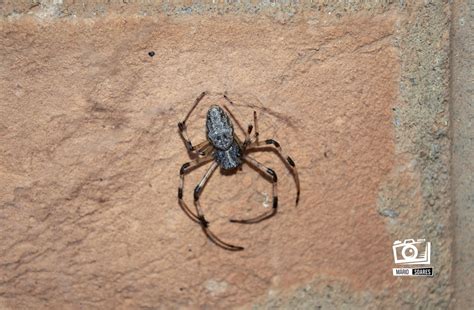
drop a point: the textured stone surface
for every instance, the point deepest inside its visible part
(90, 155)
(462, 116)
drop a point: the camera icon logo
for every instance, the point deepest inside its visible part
(412, 252)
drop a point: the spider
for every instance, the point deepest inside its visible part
(226, 150)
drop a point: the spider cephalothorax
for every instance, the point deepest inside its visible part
(226, 150)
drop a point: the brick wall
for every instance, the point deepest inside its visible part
(357, 93)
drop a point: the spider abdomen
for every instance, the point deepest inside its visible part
(220, 131)
(230, 158)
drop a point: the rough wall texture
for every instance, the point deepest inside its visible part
(356, 93)
(462, 117)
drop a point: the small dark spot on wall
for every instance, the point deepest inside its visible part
(151, 53)
(389, 213)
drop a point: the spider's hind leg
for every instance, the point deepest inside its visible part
(185, 168)
(202, 220)
(274, 208)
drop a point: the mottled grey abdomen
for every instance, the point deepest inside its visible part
(230, 158)
(220, 131)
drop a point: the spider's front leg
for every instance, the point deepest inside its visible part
(196, 150)
(271, 173)
(250, 127)
(254, 146)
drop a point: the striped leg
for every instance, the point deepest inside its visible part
(248, 139)
(183, 129)
(289, 160)
(185, 168)
(204, 223)
(249, 127)
(198, 189)
(252, 140)
(256, 134)
(274, 178)
(203, 148)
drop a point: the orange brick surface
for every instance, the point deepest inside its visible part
(90, 155)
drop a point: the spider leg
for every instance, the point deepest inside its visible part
(203, 148)
(202, 220)
(200, 186)
(270, 142)
(254, 118)
(219, 242)
(256, 133)
(250, 140)
(249, 127)
(185, 168)
(183, 128)
(274, 178)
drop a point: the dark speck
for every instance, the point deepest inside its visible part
(389, 213)
(151, 54)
